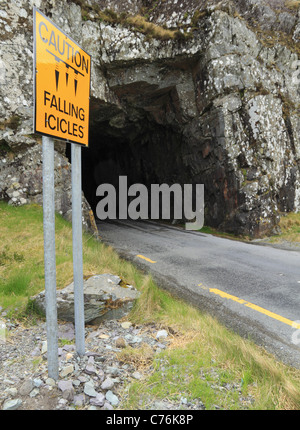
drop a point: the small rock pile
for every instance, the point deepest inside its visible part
(94, 381)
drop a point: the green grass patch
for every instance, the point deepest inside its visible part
(22, 256)
(215, 232)
(290, 228)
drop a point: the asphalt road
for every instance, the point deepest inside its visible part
(252, 289)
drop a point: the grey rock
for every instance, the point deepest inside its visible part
(34, 392)
(66, 331)
(12, 392)
(79, 400)
(44, 347)
(67, 389)
(26, 387)
(107, 406)
(90, 369)
(11, 405)
(51, 382)
(89, 389)
(36, 352)
(160, 345)
(37, 382)
(161, 334)
(112, 398)
(99, 290)
(107, 384)
(137, 375)
(112, 370)
(98, 400)
(286, 22)
(67, 370)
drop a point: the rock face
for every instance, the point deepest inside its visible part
(104, 298)
(22, 182)
(216, 101)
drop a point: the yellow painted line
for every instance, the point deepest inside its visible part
(146, 258)
(253, 306)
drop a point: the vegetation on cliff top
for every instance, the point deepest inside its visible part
(141, 21)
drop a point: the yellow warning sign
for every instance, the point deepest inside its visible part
(61, 83)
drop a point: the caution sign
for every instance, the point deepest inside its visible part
(62, 72)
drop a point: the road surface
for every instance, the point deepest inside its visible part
(252, 289)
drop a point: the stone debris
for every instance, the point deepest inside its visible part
(94, 381)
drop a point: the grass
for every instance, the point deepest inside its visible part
(290, 228)
(292, 4)
(137, 22)
(202, 354)
(214, 232)
(141, 24)
(22, 256)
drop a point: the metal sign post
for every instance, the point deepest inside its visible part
(49, 255)
(62, 74)
(77, 248)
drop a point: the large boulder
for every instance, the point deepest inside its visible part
(105, 297)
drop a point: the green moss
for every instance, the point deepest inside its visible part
(4, 148)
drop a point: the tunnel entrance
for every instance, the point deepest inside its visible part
(146, 153)
(154, 130)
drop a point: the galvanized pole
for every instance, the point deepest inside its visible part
(77, 248)
(49, 255)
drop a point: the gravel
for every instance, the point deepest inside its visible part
(94, 381)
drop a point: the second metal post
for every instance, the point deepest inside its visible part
(77, 247)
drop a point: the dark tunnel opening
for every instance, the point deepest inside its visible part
(151, 156)
(147, 129)
(147, 151)
(150, 131)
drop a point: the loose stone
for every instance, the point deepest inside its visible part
(112, 398)
(89, 389)
(107, 384)
(11, 405)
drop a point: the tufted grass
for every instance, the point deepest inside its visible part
(292, 4)
(290, 228)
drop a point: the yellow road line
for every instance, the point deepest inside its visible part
(145, 258)
(253, 306)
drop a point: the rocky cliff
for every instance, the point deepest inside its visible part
(182, 91)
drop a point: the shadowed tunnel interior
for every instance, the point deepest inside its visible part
(152, 133)
(144, 152)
